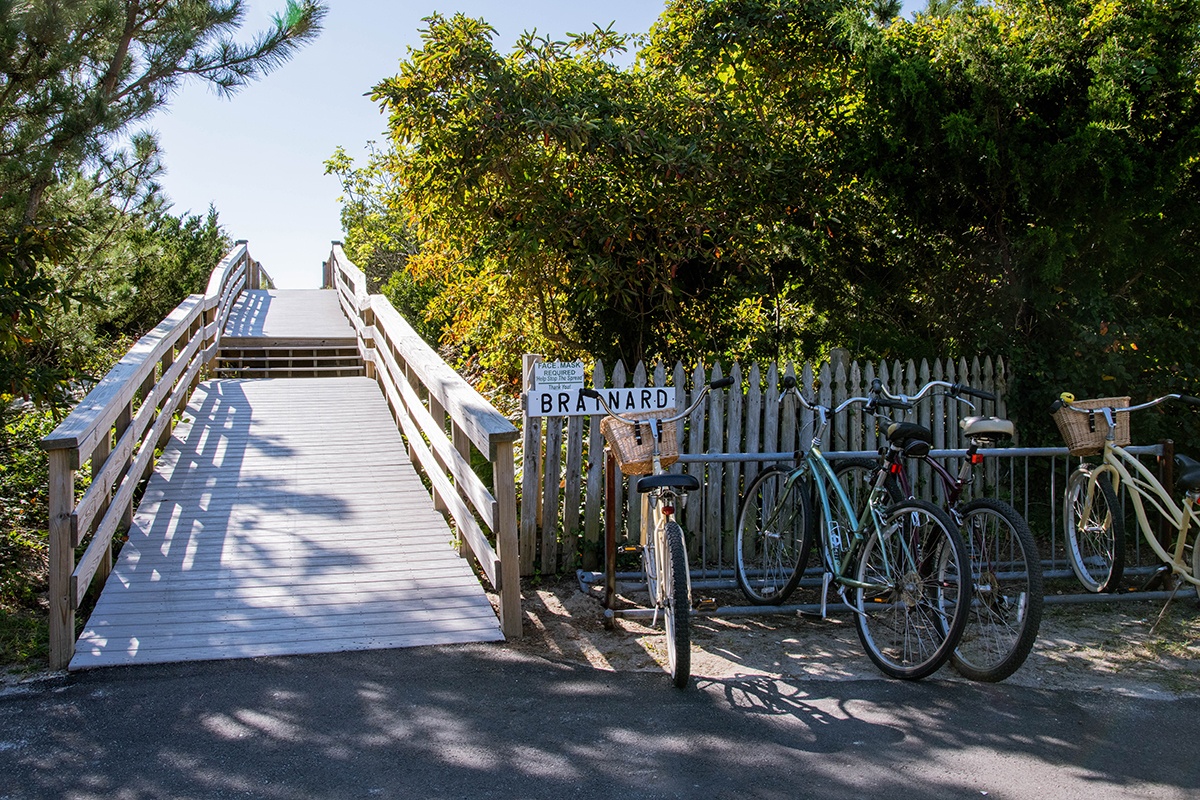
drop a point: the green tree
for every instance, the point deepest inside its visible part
(1043, 156)
(75, 81)
(568, 205)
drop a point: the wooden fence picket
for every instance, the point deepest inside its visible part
(754, 407)
(531, 448)
(711, 487)
(551, 469)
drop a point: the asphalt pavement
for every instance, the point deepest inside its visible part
(480, 721)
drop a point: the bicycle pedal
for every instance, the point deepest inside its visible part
(628, 549)
(705, 604)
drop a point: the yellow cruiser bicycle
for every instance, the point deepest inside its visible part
(1092, 519)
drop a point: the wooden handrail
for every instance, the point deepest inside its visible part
(116, 428)
(442, 417)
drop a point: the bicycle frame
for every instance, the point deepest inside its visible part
(1144, 485)
(952, 485)
(822, 475)
(817, 466)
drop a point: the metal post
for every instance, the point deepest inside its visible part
(610, 531)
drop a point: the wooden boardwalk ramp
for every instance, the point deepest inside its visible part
(284, 517)
(281, 513)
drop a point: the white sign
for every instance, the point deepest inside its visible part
(570, 403)
(557, 375)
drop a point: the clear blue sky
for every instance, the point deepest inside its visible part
(258, 156)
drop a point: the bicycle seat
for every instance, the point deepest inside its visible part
(915, 440)
(986, 427)
(685, 483)
(1189, 473)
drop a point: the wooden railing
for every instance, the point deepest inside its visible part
(114, 432)
(442, 417)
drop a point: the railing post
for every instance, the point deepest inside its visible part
(505, 488)
(462, 443)
(368, 343)
(62, 558)
(165, 364)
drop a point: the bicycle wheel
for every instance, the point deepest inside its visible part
(774, 535)
(1096, 545)
(1006, 610)
(914, 580)
(677, 604)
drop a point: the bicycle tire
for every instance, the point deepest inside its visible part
(911, 618)
(774, 536)
(1006, 607)
(1097, 549)
(677, 605)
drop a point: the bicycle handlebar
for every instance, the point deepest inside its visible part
(1066, 399)
(720, 383)
(886, 399)
(790, 387)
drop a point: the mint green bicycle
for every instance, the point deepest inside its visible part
(902, 568)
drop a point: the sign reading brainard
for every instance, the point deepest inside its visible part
(570, 403)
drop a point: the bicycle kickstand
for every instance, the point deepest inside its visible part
(849, 605)
(825, 579)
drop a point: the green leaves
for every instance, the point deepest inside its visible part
(1047, 147)
(76, 79)
(775, 177)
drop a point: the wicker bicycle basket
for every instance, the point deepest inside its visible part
(1085, 433)
(633, 446)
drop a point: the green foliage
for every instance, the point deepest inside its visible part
(608, 211)
(149, 271)
(775, 178)
(23, 550)
(1048, 152)
(75, 80)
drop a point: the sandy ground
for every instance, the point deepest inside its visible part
(1140, 648)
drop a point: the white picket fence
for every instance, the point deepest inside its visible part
(562, 504)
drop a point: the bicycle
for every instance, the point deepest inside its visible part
(905, 563)
(1093, 522)
(1006, 568)
(662, 545)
